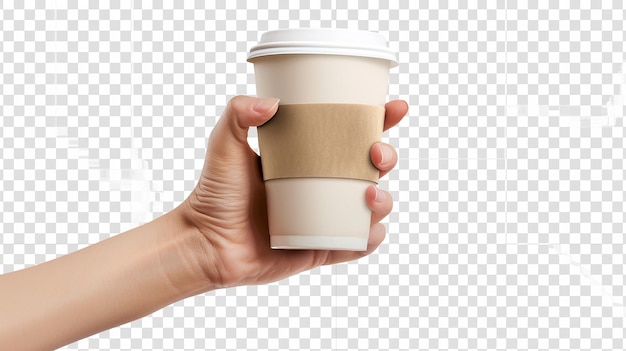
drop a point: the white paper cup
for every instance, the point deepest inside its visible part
(301, 66)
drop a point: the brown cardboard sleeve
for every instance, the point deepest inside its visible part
(321, 140)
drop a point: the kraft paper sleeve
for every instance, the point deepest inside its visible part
(321, 140)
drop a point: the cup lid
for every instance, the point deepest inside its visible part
(324, 41)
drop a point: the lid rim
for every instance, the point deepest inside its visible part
(318, 41)
(268, 52)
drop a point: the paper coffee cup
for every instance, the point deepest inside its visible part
(332, 85)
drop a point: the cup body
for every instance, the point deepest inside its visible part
(320, 212)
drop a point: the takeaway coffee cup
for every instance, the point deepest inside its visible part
(315, 152)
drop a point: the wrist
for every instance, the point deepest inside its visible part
(183, 253)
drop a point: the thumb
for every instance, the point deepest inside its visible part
(241, 113)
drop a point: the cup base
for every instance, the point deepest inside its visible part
(302, 242)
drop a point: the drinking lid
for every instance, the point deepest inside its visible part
(324, 41)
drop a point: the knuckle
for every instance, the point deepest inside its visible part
(235, 103)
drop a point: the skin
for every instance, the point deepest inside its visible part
(218, 237)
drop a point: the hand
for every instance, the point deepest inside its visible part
(228, 204)
(217, 238)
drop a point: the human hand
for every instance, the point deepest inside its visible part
(228, 206)
(217, 238)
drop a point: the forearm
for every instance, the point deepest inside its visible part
(102, 286)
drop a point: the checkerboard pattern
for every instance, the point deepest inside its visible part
(565, 125)
(508, 227)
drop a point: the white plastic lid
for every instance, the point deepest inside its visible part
(324, 41)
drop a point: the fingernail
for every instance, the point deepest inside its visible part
(265, 104)
(380, 196)
(385, 155)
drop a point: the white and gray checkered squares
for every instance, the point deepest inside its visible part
(93, 119)
(296, 313)
(460, 197)
(565, 297)
(562, 53)
(565, 91)
(28, 205)
(513, 140)
(452, 73)
(564, 184)
(27, 61)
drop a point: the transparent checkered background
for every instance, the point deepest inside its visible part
(508, 224)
